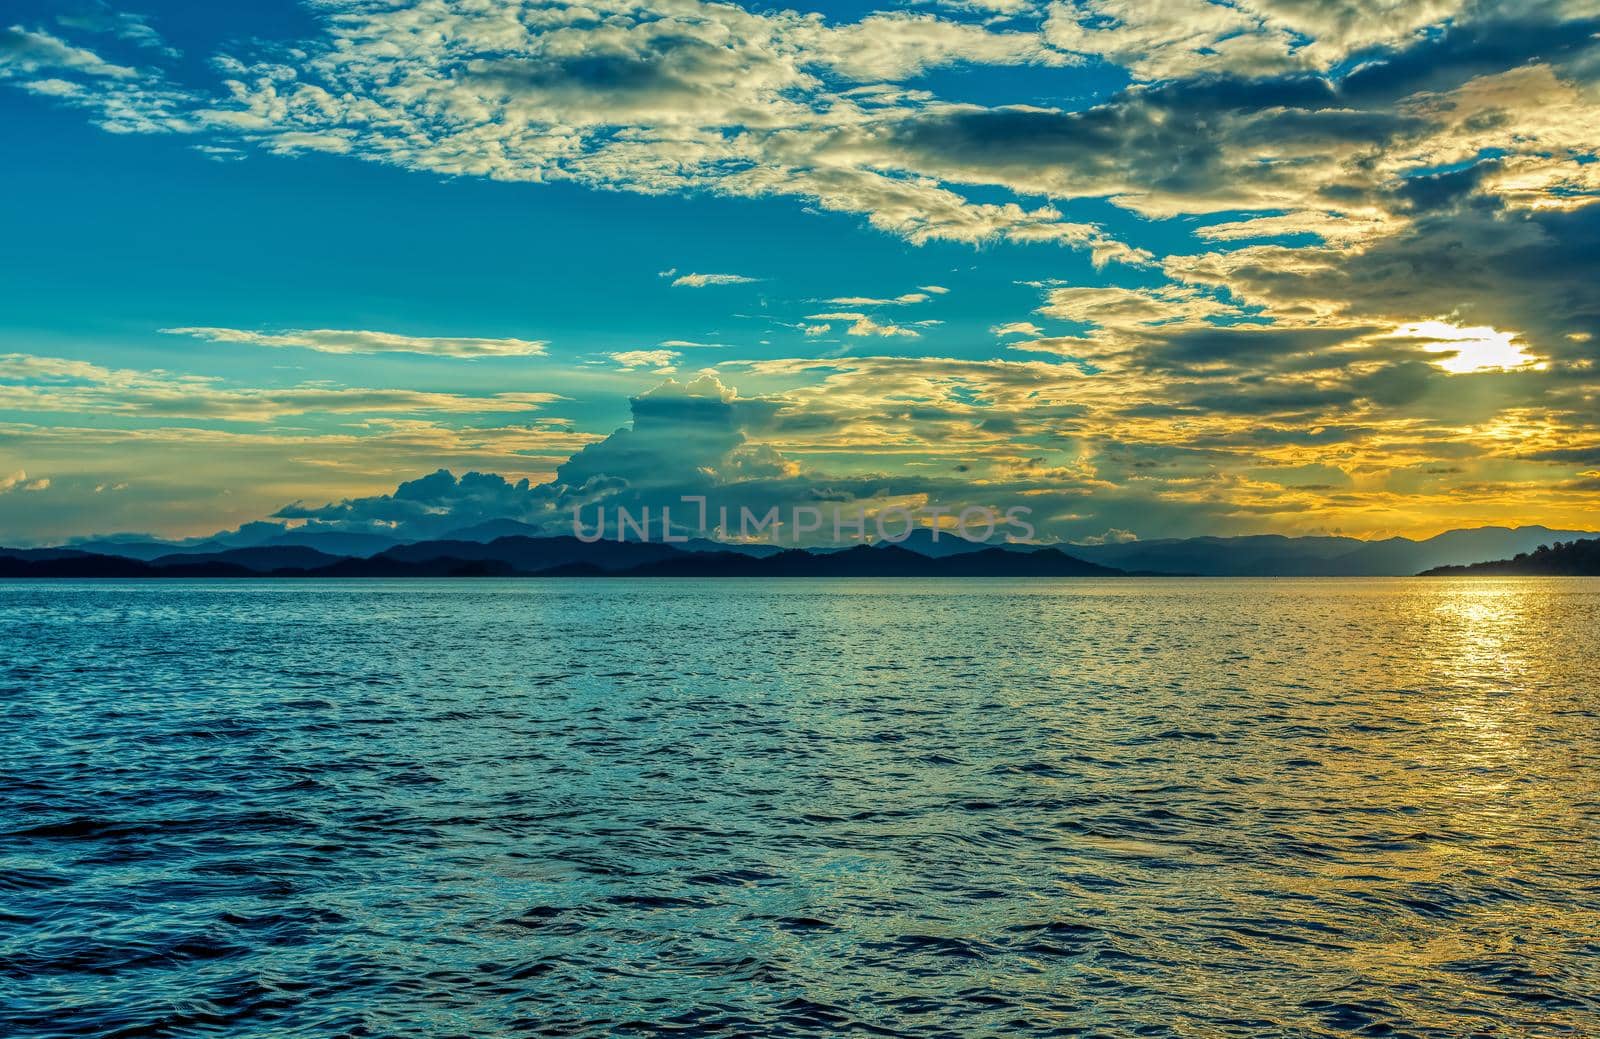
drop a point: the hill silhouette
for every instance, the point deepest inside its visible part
(1561, 559)
(1275, 555)
(550, 557)
(327, 554)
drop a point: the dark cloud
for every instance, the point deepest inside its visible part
(431, 506)
(1237, 346)
(1192, 139)
(1430, 192)
(1532, 272)
(1459, 52)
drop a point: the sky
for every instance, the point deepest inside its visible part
(1147, 269)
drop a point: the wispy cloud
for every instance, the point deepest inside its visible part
(343, 341)
(863, 325)
(31, 383)
(876, 301)
(25, 52)
(700, 281)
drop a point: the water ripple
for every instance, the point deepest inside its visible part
(721, 808)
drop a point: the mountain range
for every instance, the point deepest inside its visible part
(488, 550)
(550, 557)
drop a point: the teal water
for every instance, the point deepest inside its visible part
(1110, 808)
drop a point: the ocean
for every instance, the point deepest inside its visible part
(1123, 807)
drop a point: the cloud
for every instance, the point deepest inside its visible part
(30, 383)
(118, 98)
(630, 359)
(18, 481)
(863, 325)
(1332, 186)
(1255, 106)
(899, 45)
(702, 97)
(700, 281)
(124, 25)
(24, 52)
(874, 301)
(685, 438)
(1113, 536)
(338, 341)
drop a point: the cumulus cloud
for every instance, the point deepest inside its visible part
(341, 341)
(685, 438)
(18, 481)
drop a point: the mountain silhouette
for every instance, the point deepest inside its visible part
(920, 555)
(1560, 559)
(1274, 555)
(552, 557)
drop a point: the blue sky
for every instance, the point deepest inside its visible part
(1157, 270)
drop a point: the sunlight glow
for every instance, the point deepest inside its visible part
(1478, 349)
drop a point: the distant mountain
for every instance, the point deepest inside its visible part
(262, 559)
(41, 554)
(493, 530)
(877, 561)
(1559, 559)
(532, 555)
(86, 565)
(89, 565)
(381, 566)
(489, 530)
(554, 557)
(1258, 556)
(334, 542)
(938, 544)
(147, 550)
(1273, 555)
(759, 549)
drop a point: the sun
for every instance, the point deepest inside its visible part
(1477, 349)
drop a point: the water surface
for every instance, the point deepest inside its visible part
(921, 808)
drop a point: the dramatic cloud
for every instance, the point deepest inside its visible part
(1338, 255)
